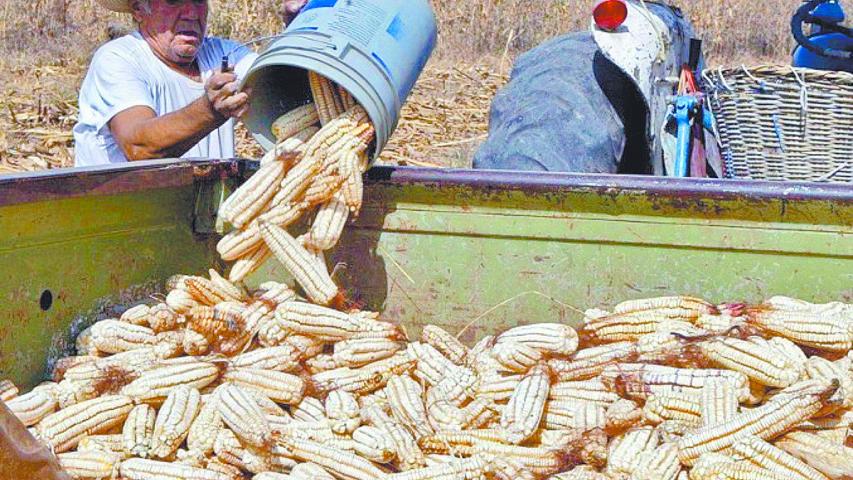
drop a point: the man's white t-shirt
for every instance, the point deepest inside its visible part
(125, 73)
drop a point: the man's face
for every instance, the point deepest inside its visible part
(176, 27)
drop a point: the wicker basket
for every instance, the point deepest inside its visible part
(781, 123)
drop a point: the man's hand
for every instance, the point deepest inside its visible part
(223, 97)
(290, 9)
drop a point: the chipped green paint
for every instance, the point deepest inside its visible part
(88, 252)
(454, 255)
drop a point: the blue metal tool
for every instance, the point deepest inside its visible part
(686, 108)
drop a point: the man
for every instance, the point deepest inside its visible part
(158, 92)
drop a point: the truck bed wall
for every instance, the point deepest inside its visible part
(473, 251)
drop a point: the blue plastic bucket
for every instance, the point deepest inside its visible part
(375, 49)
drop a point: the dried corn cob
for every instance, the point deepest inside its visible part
(622, 415)
(719, 402)
(155, 385)
(358, 352)
(240, 243)
(244, 267)
(627, 451)
(113, 443)
(581, 472)
(323, 103)
(676, 302)
(374, 444)
(760, 453)
(309, 410)
(311, 276)
(540, 461)
(243, 416)
(822, 369)
(204, 291)
(137, 315)
(526, 406)
(352, 167)
(550, 338)
(594, 391)
(432, 366)
(180, 301)
(590, 362)
(405, 397)
(343, 410)
(89, 465)
(475, 467)
(341, 464)
(205, 427)
(832, 460)
(114, 336)
(140, 469)
(659, 464)
(138, 431)
(365, 379)
(255, 193)
(194, 343)
(630, 326)
(516, 357)
(767, 421)
(278, 386)
(174, 420)
(62, 430)
(328, 224)
(444, 343)
(408, 453)
(229, 450)
(686, 408)
(329, 325)
(294, 121)
(808, 328)
(161, 318)
(755, 358)
(638, 381)
(32, 407)
(458, 386)
(573, 415)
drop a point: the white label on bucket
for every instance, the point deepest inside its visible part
(359, 20)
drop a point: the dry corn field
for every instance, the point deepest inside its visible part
(45, 47)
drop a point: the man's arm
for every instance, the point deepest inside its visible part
(143, 135)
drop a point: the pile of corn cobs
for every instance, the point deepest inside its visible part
(217, 383)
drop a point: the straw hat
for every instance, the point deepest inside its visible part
(122, 6)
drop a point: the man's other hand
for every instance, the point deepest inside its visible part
(290, 9)
(223, 97)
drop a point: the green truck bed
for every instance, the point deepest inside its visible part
(467, 250)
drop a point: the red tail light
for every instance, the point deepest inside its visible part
(610, 14)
